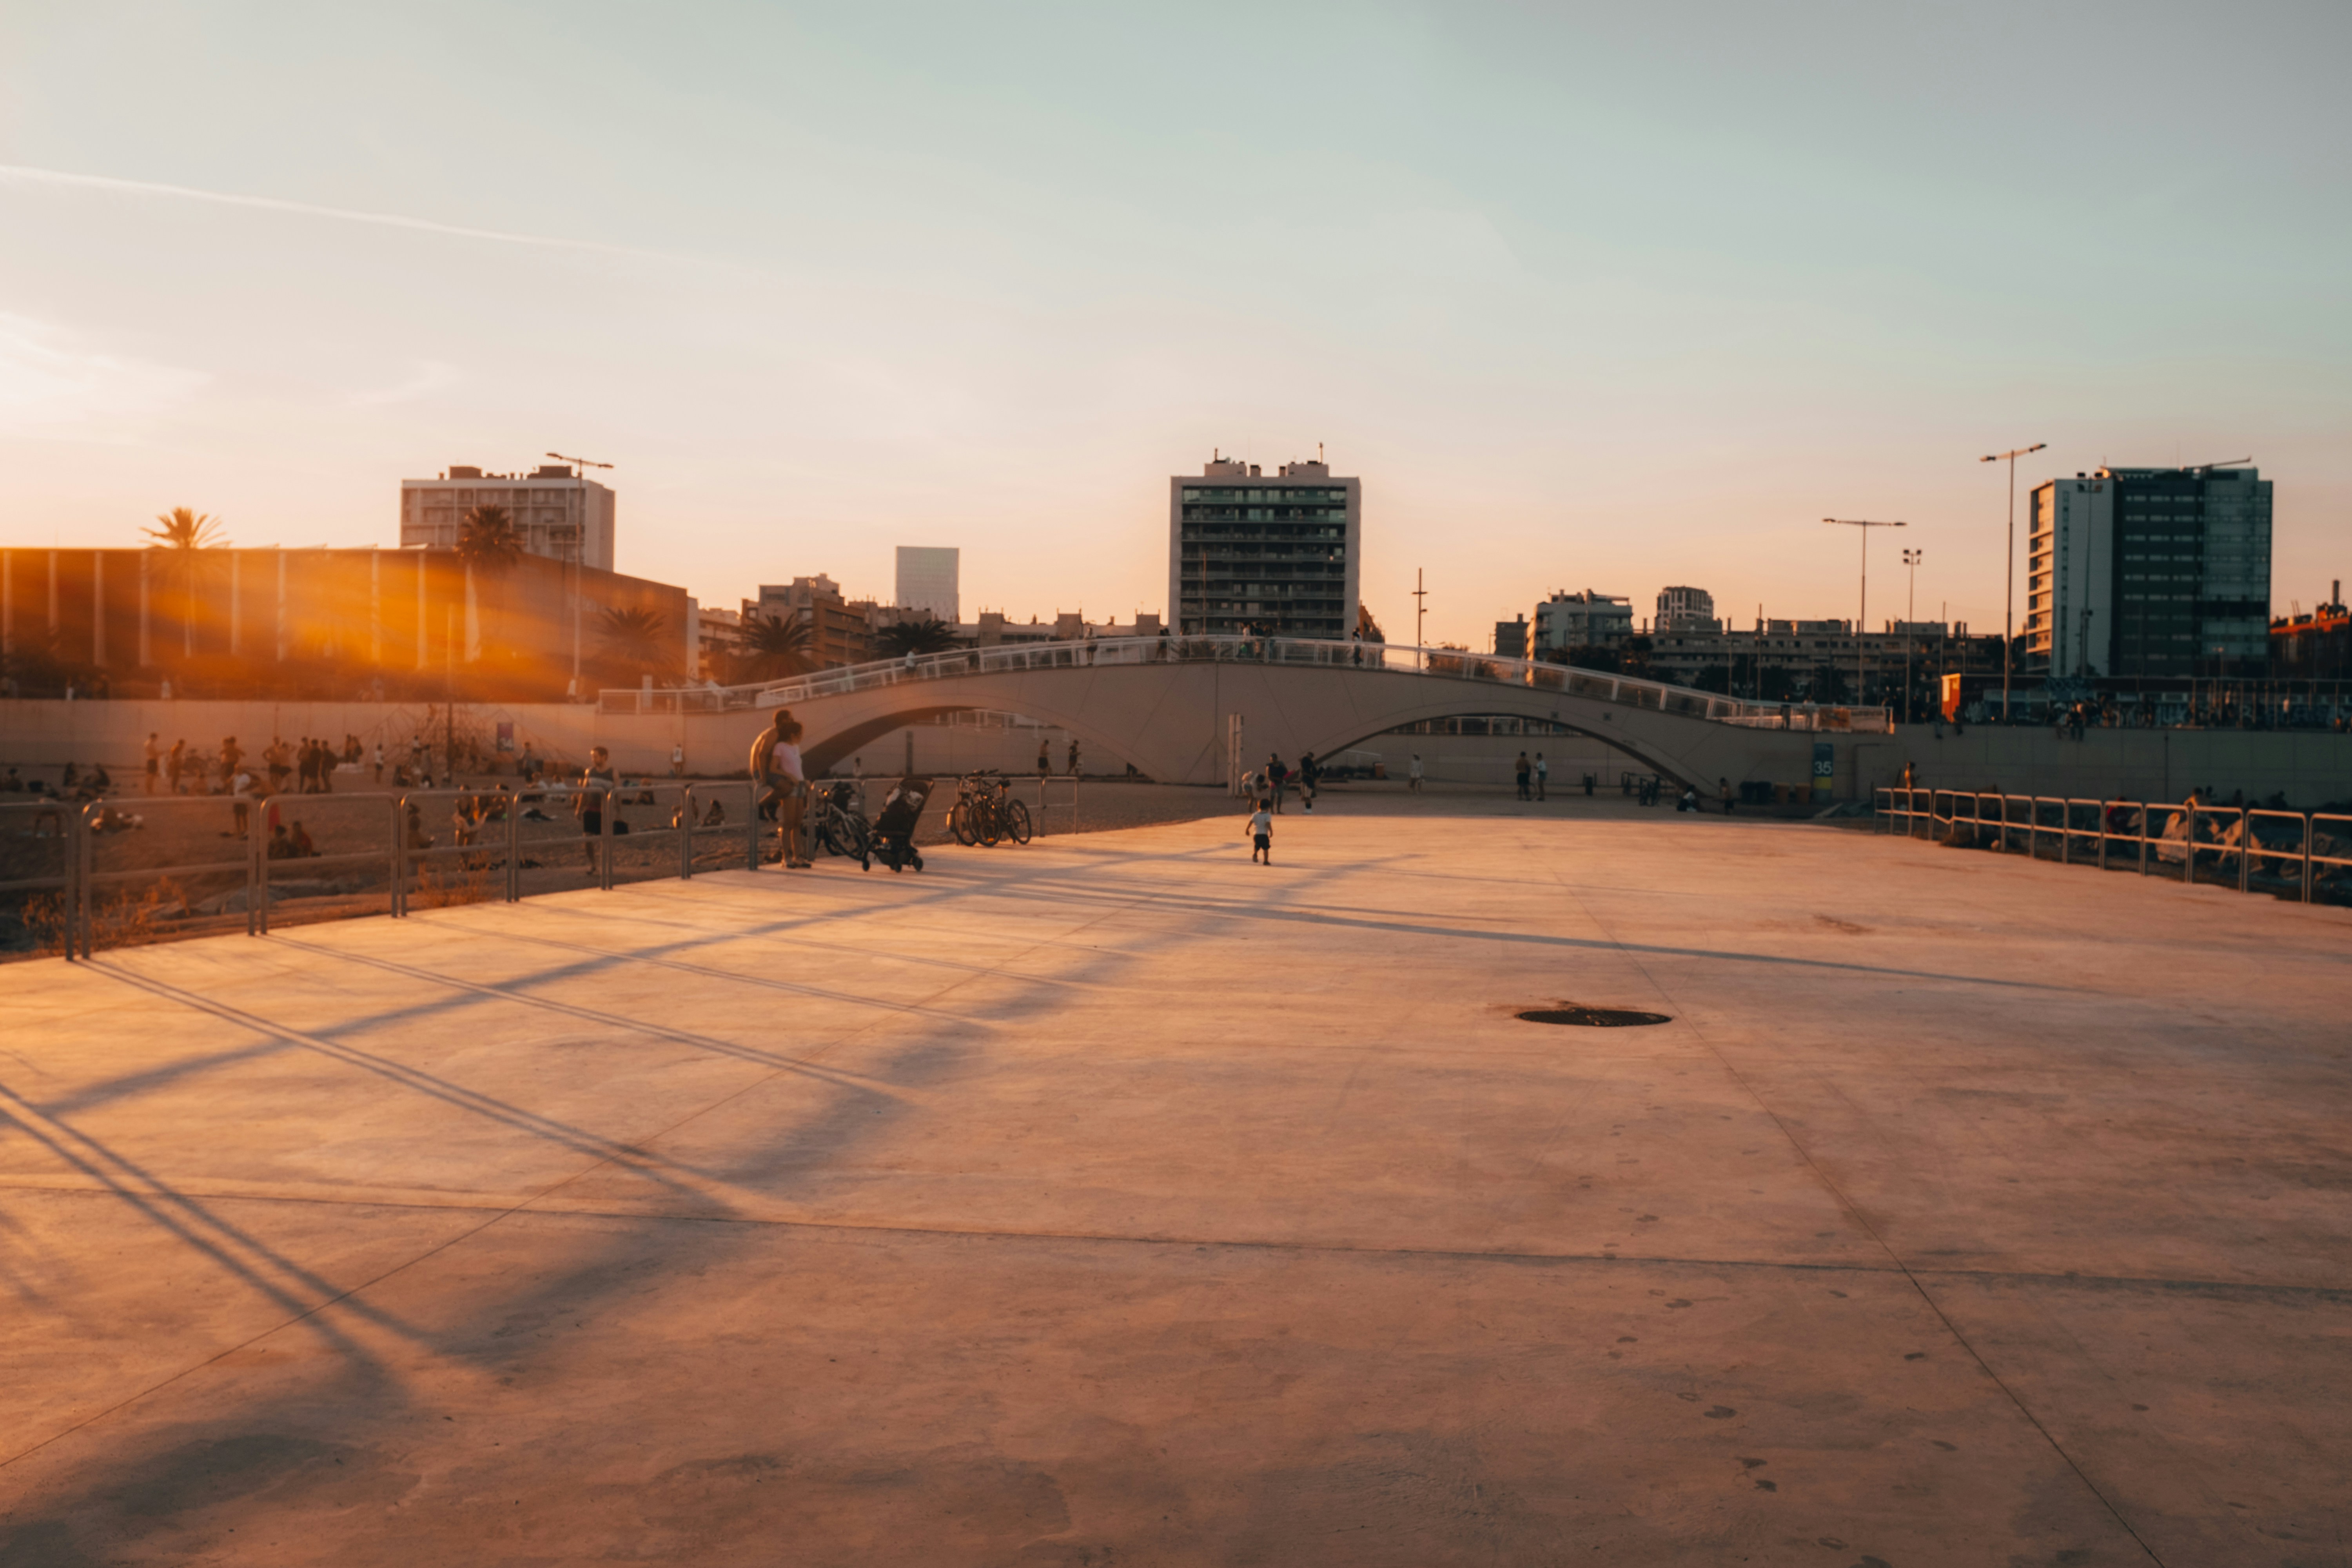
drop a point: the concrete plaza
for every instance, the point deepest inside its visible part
(1115, 1201)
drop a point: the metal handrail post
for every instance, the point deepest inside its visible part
(514, 847)
(2065, 831)
(687, 818)
(77, 893)
(2310, 821)
(2103, 835)
(604, 831)
(751, 827)
(398, 859)
(2245, 851)
(2144, 814)
(256, 904)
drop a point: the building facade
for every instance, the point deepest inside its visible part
(1685, 610)
(1583, 619)
(241, 622)
(560, 514)
(1511, 638)
(1281, 556)
(841, 630)
(927, 581)
(2149, 573)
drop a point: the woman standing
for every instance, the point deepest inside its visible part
(791, 781)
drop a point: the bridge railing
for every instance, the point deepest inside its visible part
(2287, 854)
(1456, 663)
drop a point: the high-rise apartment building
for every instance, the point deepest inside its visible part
(841, 630)
(561, 514)
(927, 581)
(1685, 610)
(1248, 552)
(2139, 574)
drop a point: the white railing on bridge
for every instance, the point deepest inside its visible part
(1598, 685)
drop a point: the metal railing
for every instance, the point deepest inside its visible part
(2252, 848)
(389, 852)
(1627, 690)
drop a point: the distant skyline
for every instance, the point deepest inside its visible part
(1587, 297)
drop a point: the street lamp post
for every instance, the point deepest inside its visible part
(1911, 558)
(1861, 673)
(2009, 574)
(579, 548)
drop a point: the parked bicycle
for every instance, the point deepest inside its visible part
(984, 814)
(837, 823)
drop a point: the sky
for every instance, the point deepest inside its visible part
(1608, 297)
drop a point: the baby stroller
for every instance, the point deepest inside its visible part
(893, 830)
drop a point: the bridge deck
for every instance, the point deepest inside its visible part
(1115, 1200)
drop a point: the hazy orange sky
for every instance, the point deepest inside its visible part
(1608, 297)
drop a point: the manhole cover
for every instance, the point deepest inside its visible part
(1593, 1017)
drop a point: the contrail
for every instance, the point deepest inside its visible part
(12, 174)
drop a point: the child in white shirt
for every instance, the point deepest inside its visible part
(1261, 832)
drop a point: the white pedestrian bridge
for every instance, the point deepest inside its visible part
(1193, 710)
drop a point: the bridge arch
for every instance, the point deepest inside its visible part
(1164, 708)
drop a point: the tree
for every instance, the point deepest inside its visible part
(1366, 627)
(774, 646)
(490, 545)
(929, 634)
(489, 540)
(184, 532)
(632, 639)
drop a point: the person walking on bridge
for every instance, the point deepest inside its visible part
(1045, 759)
(1543, 771)
(1278, 775)
(1524, 771)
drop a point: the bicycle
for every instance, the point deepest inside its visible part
(984, 815)
(835, 822)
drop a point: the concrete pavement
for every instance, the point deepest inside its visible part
(1116, 1201)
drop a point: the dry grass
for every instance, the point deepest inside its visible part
(441, 883)
(123, 920)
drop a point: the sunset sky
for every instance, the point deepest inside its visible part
(1588, 296)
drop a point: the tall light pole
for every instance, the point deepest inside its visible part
(1911, 558)
(1861, 679)
(2008, 572)
(1420, 608)
(579, 548)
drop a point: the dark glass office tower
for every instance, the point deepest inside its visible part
(2150, 573)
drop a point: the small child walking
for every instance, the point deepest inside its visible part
(1261, 832)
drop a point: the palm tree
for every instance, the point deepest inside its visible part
(490, 545)
(929, 634)
(489, 539)
(774, 646)
(185, 531)
(633, 638)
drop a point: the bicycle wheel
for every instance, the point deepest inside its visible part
(1016, 821)
(861, 839)
(959, 823)
(988, 822)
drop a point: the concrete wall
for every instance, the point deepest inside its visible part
(2309, 767)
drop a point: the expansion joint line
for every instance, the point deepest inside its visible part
(596, 1164)
(1853, 1212)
